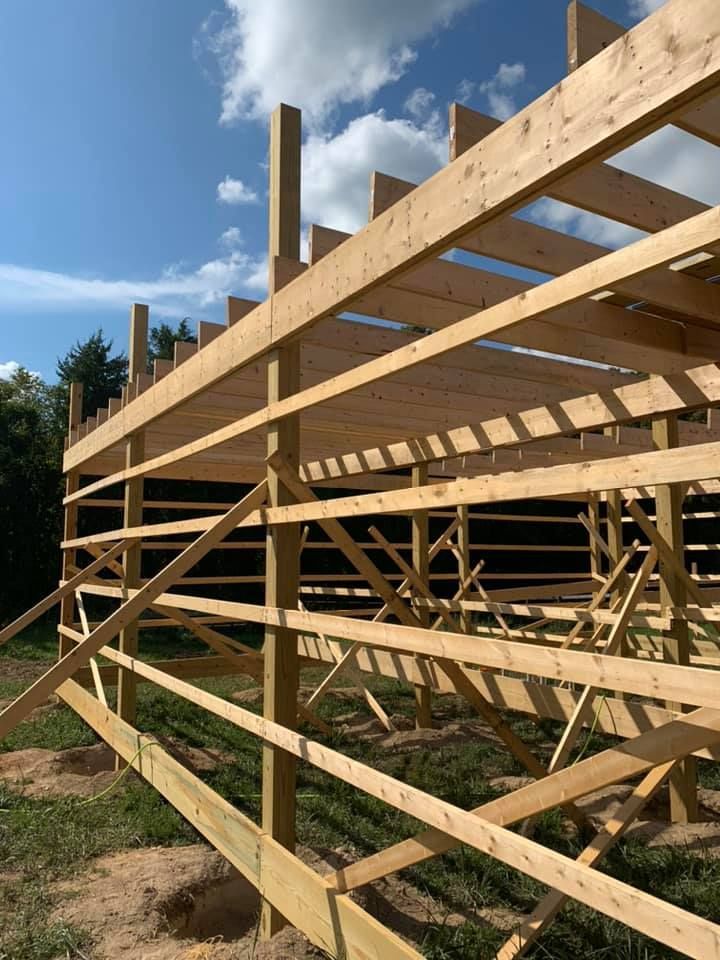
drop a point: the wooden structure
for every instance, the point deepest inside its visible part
(333, 425)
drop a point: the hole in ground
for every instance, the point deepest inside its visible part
(224, 909)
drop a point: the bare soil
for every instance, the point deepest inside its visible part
(171, 903)
(85, 771)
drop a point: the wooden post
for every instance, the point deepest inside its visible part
(676, 640)
(283, 541)
(595, 551)
(463, 541)
(421, 564)
(72, 484)
(614, 538)
(132, 515)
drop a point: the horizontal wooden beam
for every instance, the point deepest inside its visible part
(468, 193)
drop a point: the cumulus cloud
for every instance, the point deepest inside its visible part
(177, 292)
(336, 169)
(643, 8)
(231, 238)
(419, 103)
(318, 55)
(498, 90)
(233, 191)
(8, 369)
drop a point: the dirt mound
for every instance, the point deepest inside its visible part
(86, 771)
(177, 903)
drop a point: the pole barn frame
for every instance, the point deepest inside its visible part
(324, 421)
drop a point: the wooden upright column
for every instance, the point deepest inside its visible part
(463, 541)
(283, 541)
(72, 484)
(421, 564)
(676, 640)
(133, 513)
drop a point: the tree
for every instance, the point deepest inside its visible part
(162, 340)
(90, 363)
(30, 491)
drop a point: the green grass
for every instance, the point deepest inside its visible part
(43, 840)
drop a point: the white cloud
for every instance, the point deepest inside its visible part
(336, 170)
(8, 369)
(419, 103)
(177, 292)
(318, 55)
(643, 8)
(231, 238)
(498, 89)
(234, 191)
(668, 157)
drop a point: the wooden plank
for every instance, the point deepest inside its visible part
(674, 77)
(646, 913)
(589, 33)
(636, 757)
(16, 711)
(531, 928)
(70, 514)
(420, 537)
(282, 566)
(66, 589)
(133, 511)
(682, 683)
(330, 921)
(593, 277)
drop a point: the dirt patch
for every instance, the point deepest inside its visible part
(183, 903)
(406, 738)
(26, 670)
(87, 771)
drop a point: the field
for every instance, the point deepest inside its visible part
(461, 906)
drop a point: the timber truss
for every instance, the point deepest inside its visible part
(329, 425)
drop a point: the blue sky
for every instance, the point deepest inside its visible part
(133, 163)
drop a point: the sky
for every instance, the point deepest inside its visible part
(134, 162)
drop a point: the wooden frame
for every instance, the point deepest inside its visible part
(340, 426)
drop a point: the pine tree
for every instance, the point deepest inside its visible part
(162, 339)
(102, 375)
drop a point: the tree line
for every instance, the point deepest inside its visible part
(33, 427)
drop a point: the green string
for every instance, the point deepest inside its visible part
(592, 730)
(123, 773)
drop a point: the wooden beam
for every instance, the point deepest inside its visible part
(593, 277)
(70, 518)
(420, 536)
(129, 610)
(648, 914)
(589, 33)
(674, 78)
(282, 567)
(673, 593)
(693, 389)
(133, 512)
(333, 923)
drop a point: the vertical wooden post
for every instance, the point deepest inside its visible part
(72, 484)
(133, 514)
(463, 541)
(676, 640)
(595, 554)
(420, 529)
(283, 542)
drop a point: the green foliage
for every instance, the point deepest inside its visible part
(30, 489)
(33, 425)
(162, 340)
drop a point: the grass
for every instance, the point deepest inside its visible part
(43, 840)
